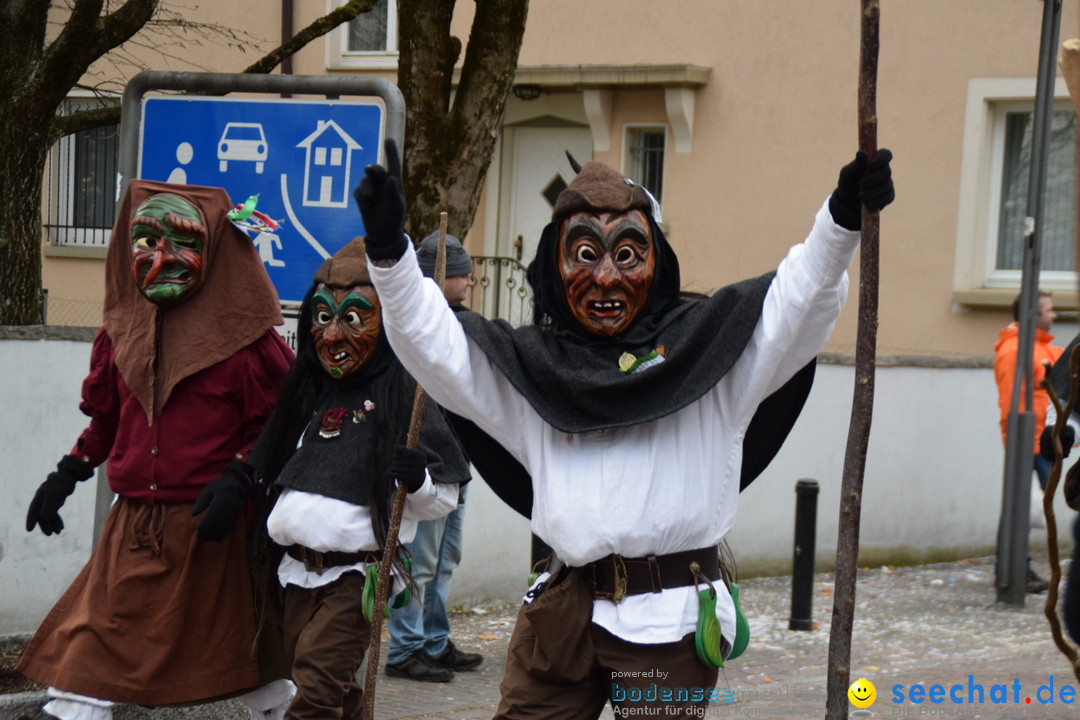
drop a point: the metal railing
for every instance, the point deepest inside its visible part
(501, 290)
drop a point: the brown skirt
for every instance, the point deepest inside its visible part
(155, 617)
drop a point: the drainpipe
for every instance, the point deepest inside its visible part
(286, 35)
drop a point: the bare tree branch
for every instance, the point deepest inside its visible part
(315, 30)
(46, 49)
(86, 36)
(98, 117)
(84, 120)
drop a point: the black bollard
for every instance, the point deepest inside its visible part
(802, 571)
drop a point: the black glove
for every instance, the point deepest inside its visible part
(50, 496)
(381, 197)
(409, 468)
(1046, 442)
(861, 182)
(223, 499)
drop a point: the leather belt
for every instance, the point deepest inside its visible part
(614, 577)
(315, 561)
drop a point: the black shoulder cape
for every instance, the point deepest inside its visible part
(575, 383)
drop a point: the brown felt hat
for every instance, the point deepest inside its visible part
(598, 187)
(347, 267)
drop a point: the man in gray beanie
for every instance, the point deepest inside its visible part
(459, 267)
(420, 645)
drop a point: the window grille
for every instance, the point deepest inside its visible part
(1059, 219)
(647, 159)
(371, 32)
(82, 183)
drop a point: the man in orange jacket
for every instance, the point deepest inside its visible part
(1005, 351)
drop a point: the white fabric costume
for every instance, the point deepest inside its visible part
(655, 488)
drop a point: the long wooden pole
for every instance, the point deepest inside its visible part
(847, 542)
(371, 674)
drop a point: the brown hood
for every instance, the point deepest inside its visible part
(347, 267)
(597, 187)
(157, 347)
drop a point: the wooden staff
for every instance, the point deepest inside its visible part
(847, 542)
(367, 711)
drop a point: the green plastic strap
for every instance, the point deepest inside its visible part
(742, 627)
(707, 635)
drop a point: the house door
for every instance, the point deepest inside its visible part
(536, 165)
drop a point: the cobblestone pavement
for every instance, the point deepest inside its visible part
(927, 625)
(931, 624)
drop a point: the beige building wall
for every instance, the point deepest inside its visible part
(771, 121)
(768, 130)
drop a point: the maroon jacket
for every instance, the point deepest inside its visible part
(210, 418)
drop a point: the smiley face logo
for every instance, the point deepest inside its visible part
(862, 693)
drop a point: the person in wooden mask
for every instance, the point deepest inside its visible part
(334, 452)
(184, 373)
(634, 415)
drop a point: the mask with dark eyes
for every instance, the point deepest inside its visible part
(607, 262)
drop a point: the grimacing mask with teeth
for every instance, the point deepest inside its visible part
(345, 327)
(168, 236)
(607, 262)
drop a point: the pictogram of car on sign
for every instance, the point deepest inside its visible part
(242, 141)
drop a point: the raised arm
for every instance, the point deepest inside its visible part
(811, 283)
(418, 322)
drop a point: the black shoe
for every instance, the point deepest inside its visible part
(454, 659)
(419, 666)
(1035, 584)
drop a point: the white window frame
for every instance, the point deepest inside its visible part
(976, 279)
(339, 57)
(628, 129)
(59, 195)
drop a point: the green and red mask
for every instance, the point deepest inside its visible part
(345, 326)
(168, 239)
(607, 261)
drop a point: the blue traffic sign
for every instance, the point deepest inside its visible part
(302, 158)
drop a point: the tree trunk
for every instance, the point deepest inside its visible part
(22, 166)
(448, 147)
(36, 74)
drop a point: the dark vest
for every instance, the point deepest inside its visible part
(336, 453)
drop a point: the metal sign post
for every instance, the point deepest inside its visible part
(1012, 555)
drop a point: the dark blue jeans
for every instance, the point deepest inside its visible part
(1042, 467)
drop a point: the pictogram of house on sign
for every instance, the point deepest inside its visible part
(326, 166)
